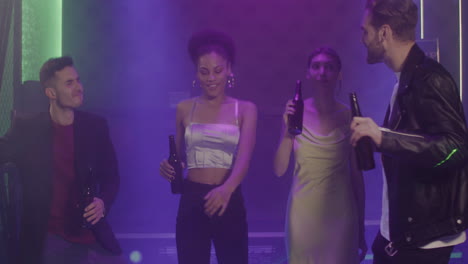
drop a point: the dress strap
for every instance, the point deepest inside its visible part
(236, 109)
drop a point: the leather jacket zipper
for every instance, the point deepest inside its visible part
(398, 122)
(399, 133)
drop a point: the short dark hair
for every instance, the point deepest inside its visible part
(327, 51)
(208, 41)
(50, 67)
(400, 15)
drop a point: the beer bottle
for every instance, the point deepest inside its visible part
(88, 194)
(174, 160)
(364, 149)
(295, 120)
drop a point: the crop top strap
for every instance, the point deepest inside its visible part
(236, 109)
(193, 110)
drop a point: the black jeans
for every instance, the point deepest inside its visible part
(195, 230)
(409, 255)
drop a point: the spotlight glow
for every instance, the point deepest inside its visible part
(135, 256)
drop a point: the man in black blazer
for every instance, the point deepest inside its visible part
(58, 154)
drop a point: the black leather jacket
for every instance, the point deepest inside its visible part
(424, 153)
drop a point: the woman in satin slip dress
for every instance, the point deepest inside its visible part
(325, 218)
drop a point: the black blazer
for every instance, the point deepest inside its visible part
(28, 144)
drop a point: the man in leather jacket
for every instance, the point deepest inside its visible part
(423, 143)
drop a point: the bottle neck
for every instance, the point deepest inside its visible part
(172, 147)
(298, 94)
(355, 106)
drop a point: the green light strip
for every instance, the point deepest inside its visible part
(446, 159)
(41, 35)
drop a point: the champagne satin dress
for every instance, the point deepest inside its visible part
(322, 218)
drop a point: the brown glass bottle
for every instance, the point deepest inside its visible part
(295, 120)
(87, 196)
(364, 149)
(174, 160)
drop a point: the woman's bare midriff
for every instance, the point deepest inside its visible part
(212, 176)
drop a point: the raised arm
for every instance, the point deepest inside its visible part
(283, 153)
(441, 140)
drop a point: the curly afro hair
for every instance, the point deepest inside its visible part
(208, 41)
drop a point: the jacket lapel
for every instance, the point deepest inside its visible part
(387, 117)
(85, 154)
(411, 64)
(395, 115)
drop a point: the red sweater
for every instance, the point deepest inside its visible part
(66, 193)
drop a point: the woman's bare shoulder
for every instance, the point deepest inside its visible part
(247, 105)
(186, 104)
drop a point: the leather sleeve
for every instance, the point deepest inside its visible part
(438, 138)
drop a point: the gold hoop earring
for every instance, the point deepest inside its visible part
(195, 84)
(231, 81)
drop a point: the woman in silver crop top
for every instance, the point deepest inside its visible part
(216, 135)
(325, 219)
